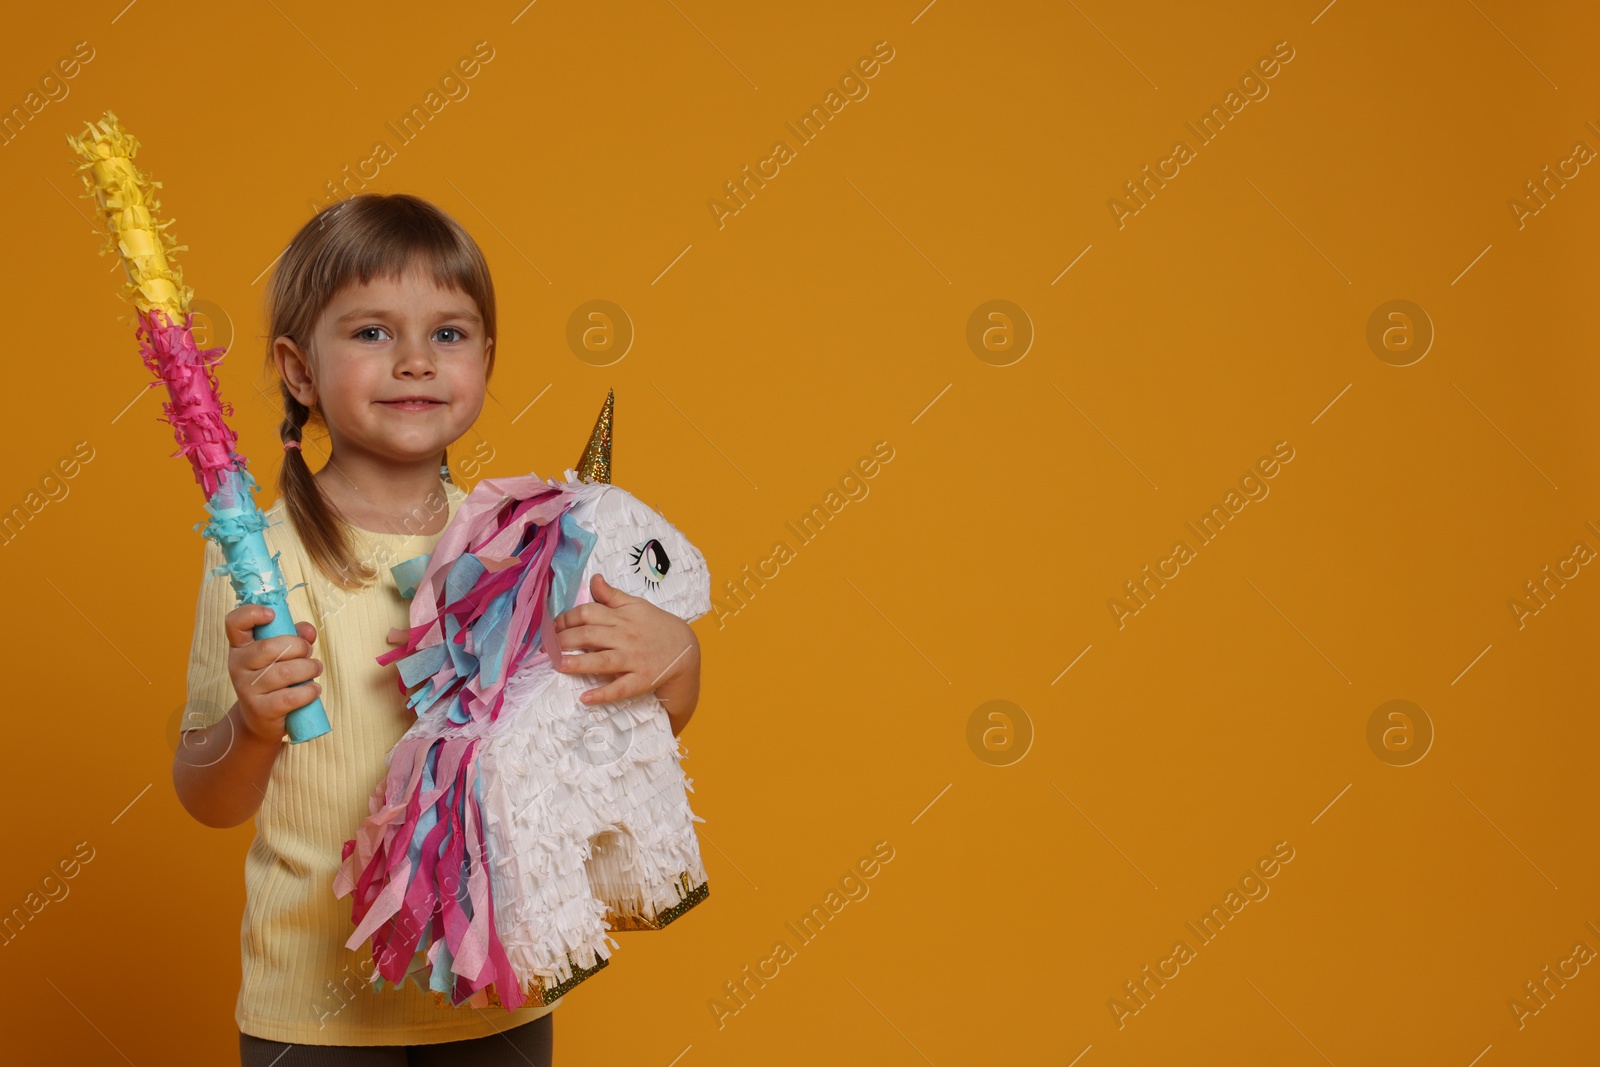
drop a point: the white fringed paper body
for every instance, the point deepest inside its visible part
(578, 814)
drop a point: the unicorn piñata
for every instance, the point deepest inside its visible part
(516, 825)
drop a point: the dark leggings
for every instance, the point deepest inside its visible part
(519, 1046)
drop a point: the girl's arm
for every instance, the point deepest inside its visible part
(220, 772)
(680, 694)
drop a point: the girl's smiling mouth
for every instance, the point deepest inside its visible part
(411, 403)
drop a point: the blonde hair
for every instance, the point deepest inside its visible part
(352, 242)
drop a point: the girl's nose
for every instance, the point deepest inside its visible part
(414, 359)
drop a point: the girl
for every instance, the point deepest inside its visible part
(382, 315)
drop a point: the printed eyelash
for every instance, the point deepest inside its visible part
(638, 558)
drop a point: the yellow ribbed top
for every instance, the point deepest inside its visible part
(300, 984)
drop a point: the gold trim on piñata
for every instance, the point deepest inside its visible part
(634, 921)
(535, 991)
(595, 463)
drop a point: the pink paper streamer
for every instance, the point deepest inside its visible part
(396, 904)
(193, 407)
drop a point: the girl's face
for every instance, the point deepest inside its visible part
(398, 368)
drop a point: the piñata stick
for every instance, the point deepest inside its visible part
(194, 407)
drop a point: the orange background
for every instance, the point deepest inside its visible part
(829, 314)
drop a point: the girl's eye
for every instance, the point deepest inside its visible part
(650, 559)
(454, 333)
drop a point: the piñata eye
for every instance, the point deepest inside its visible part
(650, 559)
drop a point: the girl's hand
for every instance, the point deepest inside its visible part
(265, 673)
(645, 647)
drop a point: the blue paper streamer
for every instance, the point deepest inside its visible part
(236, 526)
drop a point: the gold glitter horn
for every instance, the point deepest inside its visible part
(595, 464)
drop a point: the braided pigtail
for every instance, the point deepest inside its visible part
(315, 520)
